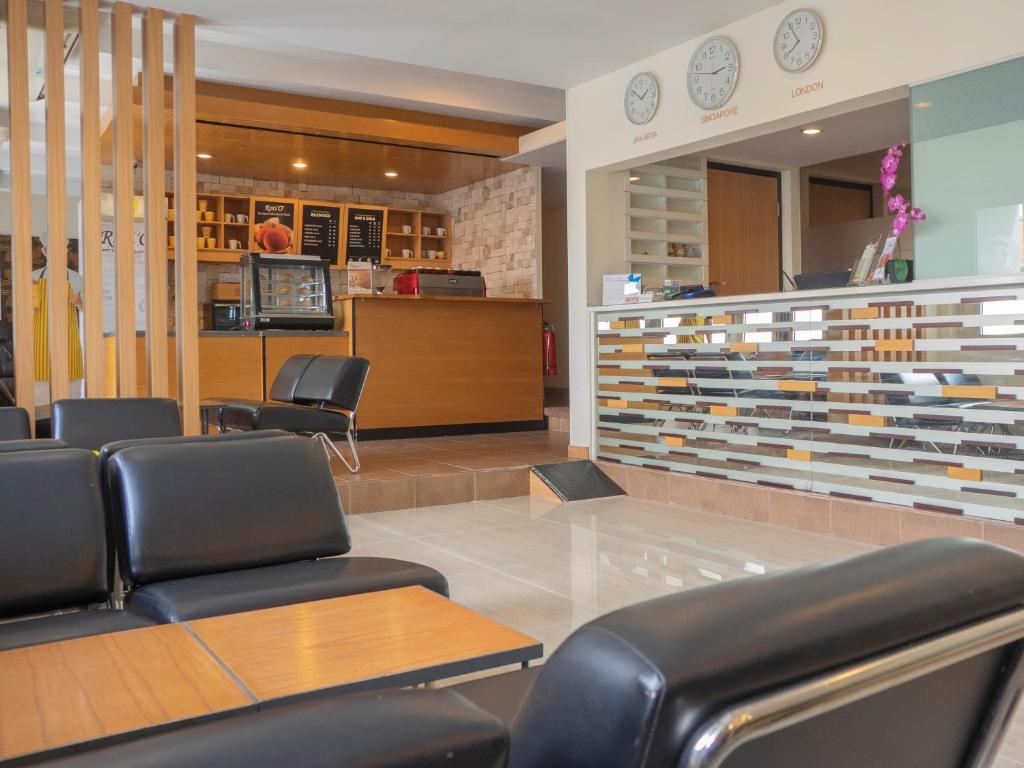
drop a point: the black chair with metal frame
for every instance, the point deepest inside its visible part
(14, 424)
(93, 422)
(313, 395)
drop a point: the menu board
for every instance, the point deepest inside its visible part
(272, 225)
(319, 231)
(364, 232)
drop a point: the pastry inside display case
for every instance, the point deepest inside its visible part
(288, 292)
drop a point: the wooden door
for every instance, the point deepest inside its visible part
(833, 202)
(743, 231)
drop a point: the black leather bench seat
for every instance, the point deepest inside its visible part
(294, 418)
(66, 626)
(20, 446)
(216, 594)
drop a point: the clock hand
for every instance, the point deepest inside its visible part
(637, 94)
(645, 94)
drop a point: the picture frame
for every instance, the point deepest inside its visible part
(863, 267)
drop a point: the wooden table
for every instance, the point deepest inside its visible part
(108, 686)
(384, 639)
(94, 687)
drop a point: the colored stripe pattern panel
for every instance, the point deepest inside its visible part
(903, 395)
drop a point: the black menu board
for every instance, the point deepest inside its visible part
(364, 233)
(272, 225)
(320, 232)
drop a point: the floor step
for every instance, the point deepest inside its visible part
(572, 481)
(557, 418)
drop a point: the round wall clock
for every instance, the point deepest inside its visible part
(798, 40)
(641, 98)
(711, 76)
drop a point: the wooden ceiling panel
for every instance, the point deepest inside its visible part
(268, 154)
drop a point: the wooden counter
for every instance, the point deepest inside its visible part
(447, 361)
(232, 366)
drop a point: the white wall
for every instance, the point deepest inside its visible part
(873, 50)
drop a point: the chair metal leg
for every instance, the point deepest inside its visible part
(331, 449)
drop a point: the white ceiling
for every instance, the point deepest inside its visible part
(555, 43)
(842, 136)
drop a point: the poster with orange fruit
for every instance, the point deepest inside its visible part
(272, 225)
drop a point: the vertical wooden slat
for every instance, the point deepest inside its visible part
(89, 237)
(187, 321)
(21, 203)
(156, 229)
(56, 203)
(124, 190)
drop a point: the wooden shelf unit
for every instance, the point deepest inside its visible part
(221, 230)
(666, 210)
(395, 240)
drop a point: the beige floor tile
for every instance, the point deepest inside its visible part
(444, 489)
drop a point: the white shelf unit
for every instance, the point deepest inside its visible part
(666, 207)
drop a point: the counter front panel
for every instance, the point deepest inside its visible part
(905, 395)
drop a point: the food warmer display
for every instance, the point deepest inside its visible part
(288, 292)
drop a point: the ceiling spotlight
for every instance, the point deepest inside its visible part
(391, 174)
(811, 131)
(922, 104)
(634, 178)
(299, 164)
(204, 155)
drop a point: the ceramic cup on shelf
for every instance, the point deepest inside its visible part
(229, 218)
(242, 218)
(407, 253)
(407, 229)
(170, 241)
(203, 205)
(200, 242)
(441, 232)
(235, 245)
(431, 254)
(211, 242)
(207, 231)
(387, 253)
(426, 231)
(440, 254)
(208, 215)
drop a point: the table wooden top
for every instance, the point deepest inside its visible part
(92, 687)
(394, 637)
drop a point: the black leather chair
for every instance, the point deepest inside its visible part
(314, 395)
(801, 669)
(54, 554)
(400, 729)
(92, 423)
(14, 424)
(223, 526)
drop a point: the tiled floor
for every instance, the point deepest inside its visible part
(546, 568)
(419, 472)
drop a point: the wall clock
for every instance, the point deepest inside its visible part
(711, 76)
(798, 40)
(641, 98)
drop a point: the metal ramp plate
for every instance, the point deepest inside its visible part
(576, 480)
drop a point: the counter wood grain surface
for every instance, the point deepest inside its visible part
(344, 641)
(87, 688)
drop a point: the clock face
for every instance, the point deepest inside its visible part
(641, 98)
(711, 76)
(798, 40)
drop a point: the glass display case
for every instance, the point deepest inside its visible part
(287, 292)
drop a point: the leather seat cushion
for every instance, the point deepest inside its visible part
(19, 446)
(500, 695)
(216, 594)
(14, 424)
(92, 423)
(294, 418)
(399, 729)
(65, 626)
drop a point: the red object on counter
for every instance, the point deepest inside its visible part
(549, 350)
(409, 283)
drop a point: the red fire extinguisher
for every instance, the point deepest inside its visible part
(549, 353)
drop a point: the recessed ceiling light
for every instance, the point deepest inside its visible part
(922, 104)
(204, 155)
(299, 164)
(391, 174)
(634, 178)
(811, 131)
